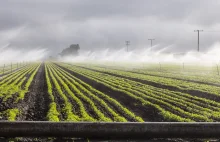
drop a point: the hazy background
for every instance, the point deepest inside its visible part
(38, 28)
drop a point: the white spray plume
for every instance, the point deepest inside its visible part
(210, 57)
(8, 55)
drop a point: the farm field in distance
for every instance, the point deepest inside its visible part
(110, 92)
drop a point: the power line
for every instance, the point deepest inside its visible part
(127, 43)
(198, 36)
(211, 31)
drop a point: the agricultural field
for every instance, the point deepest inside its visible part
(57, 91)
(9, 67)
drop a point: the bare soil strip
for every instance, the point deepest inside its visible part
(34, 107)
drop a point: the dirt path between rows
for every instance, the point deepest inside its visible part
(34, 107)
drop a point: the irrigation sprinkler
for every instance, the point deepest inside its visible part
(101, 130)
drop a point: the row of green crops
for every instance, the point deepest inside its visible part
(67, 109)
(14, 86)
(194, 77)
(86, 98)
(180, 106)
(166, 82)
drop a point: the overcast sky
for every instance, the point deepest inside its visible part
(95, 24)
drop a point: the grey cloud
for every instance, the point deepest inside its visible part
(54, 24)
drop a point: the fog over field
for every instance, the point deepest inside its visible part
(33, 30)
(210, 57)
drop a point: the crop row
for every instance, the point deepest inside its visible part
(12, 84)
(12, 75)
(15, 86)
(86, 98)
(185, 106)
(167, 82)
(193, 76)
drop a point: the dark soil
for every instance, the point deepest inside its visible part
(34, 107)
(7, 104)
(147, 113)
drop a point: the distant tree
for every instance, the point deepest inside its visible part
(73, 50)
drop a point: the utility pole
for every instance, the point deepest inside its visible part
(151, 40)
(198, 36)
(127, 44)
